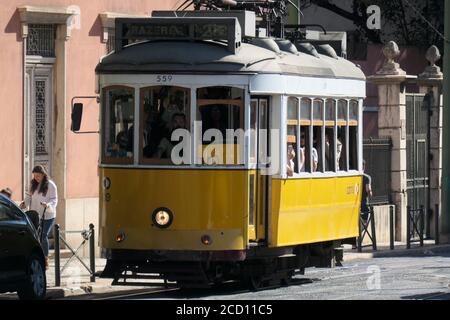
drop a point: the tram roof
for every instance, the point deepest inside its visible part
(214, 57)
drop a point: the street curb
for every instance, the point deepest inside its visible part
(88, 289)
(417, 251)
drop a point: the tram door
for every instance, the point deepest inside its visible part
(259, 182)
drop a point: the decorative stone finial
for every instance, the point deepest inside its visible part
(432, 71)
(390, 67)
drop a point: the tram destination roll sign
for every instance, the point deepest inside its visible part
(131, 30)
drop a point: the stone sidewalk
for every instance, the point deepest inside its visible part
(400, 250)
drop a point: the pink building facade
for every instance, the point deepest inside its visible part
(48, 53)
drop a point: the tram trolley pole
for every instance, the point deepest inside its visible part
(391, 227)
(57, 256)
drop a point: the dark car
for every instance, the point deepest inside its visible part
(22, 262)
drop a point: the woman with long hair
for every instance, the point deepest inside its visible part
(42, 198)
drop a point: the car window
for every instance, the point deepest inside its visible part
(5, 212)
(17, 214)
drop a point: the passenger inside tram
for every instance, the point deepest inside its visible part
(330, 163)
(166, 145)
(120, 123)
(317, 150)
(119, 149)
(290, 160)
(341, 156)
(165, 109)
(304, 157)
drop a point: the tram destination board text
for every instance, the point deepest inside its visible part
(182, 29)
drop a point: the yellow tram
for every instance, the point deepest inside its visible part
(274, 196)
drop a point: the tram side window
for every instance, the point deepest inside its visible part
(221, 113)
(353, 134)
(293, 152)
(318, 148)
(253, 128)
(341, 154)
(164, 109)
(330, 120)
(305, 144)
(118, 104)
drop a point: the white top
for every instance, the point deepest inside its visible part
(33, 202)
(315, 158)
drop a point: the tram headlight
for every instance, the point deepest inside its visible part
(120, 237)
(162, 218)
(206, 240)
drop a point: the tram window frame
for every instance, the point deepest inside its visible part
(239, 151)
(318, 133)
(334, 118)
(253, 150)
(342, 134)
(299, 124)
(353, 124)
(293, 126)
(162, 161)
(106, 159)
(330, 132)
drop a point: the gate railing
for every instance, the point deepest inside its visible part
(415, 224)
(364, 230)
(87, 235)
(377, 154)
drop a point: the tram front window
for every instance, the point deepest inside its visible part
(221, 113)
(164, 109)
(118, 104)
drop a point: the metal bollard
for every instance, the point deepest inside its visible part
(92, 251)
(359, 240)
(391, 227)
(422, 224)
(408, 227)
(57, 257)
(436, 224)
(373, 229)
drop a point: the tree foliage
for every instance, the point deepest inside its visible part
(404, 21)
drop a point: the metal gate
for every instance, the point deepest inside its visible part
(417, 148)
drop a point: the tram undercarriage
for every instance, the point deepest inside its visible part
(256, 267)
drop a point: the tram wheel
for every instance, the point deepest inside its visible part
(255, 283)
(287, 280)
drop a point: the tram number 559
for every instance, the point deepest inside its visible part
(164, 79)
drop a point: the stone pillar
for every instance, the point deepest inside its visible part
(430, 82)
(391, 81)
(59, 158)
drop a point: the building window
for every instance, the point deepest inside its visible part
(111, 43)
(41, 40)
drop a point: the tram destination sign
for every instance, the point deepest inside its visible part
(221, 29)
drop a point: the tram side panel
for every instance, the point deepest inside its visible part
(203, 202)
(306, 211)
